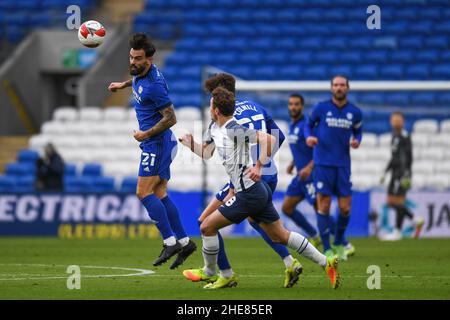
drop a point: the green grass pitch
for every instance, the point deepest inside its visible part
(35, 268)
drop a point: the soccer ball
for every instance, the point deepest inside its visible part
(91, 33)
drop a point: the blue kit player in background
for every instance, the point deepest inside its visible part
(250, 115)
(302, 185)
(155, 114)
(333, 127)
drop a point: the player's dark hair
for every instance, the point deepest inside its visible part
(299, 96)
(223, 80)
(140, 41)
(340, 76)
(398, 113)
(224, 100)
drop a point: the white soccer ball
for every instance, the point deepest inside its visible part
(91, 33)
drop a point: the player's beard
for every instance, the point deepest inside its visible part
(136, 70)
(340, 96)
(295, 114)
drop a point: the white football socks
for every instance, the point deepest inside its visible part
(227, 273)
(300, 244)
(210, 250)
(184, 241)
(288, 261)
(170, 241)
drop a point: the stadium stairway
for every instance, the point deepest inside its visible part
(9, 147)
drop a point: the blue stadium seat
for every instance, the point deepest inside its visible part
(378, 56)
(8, 184)
(217, 16)
(326, 57)
(201, 57)
(315, 72)
(360, 43)
(334, 14)
(350, 58)
(128, 185)
(311, 15)
(290, 72)
(418, 72)
(221, 30)
(397, 99)
(78, 184)
(391, 72)
(242, 29)
(236, 44)
(402, 56)
(287, 44)
(286, 15)
(192, 72)
(412, 42)
(430, 13)
(424, 99)
(26, 5)
(427, 56)
(263, 15)
(421, 27)
(366, 72)
(226, 57)
(311, 43)
(187, 99)
(406, 14)
(441, 71)
(25, 184)
(444, 99)
(212, 45)
(240, 14)
(185, 86)
(372, 99)
(342, 70)
(262, 44)
(29, 156)
(301, 57)
(70, 170)
(20, 169)
(242, 71)
(103, 184)
(336, 43)
(437, 42)
(268, 72)
(92, 170)
(276, 57)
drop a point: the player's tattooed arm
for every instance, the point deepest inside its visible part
(168, 120)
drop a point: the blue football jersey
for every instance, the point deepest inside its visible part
(150, 96)
(254, 116)
(301, 153)
(334, 128)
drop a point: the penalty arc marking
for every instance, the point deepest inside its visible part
(135, 272)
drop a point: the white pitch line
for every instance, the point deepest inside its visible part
(137, 272)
